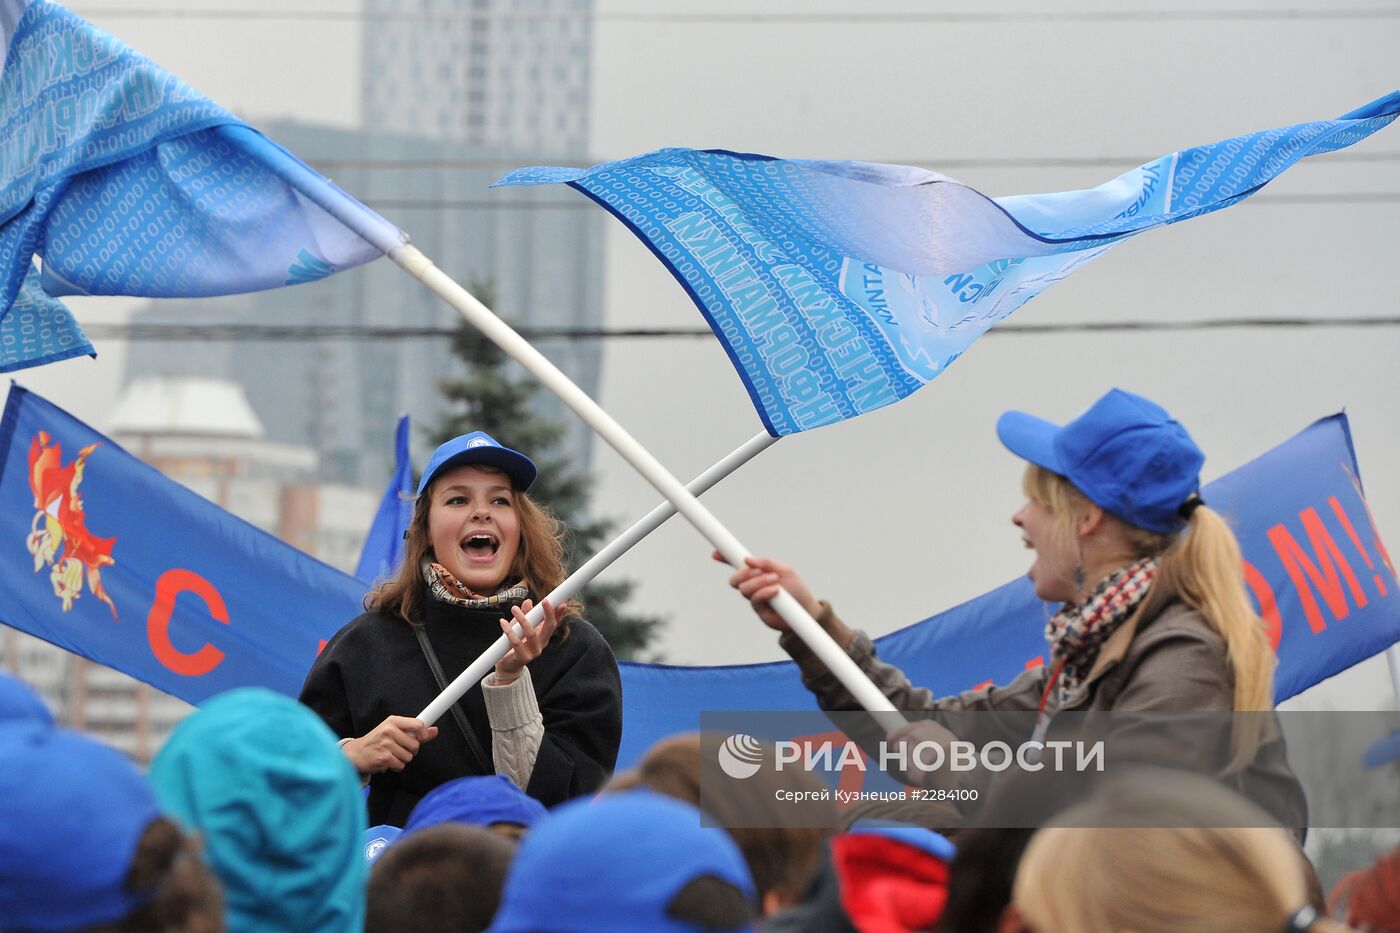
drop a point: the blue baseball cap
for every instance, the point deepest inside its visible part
(480, 447)
(378, 838)
(19, 703)
(72, 812)
(476, 801)
(1126, 454)
(626, 857)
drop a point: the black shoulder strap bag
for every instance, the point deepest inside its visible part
(483, 760)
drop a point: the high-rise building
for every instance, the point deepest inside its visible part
(511, 75)
(455, 93)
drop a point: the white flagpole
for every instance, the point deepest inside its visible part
(500, 333)
(594, 566)
(1392, 656)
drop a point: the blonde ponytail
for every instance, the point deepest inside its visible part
(1202, 567)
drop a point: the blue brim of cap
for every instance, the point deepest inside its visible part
(1030, 438)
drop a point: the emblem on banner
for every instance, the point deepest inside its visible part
(58, 535)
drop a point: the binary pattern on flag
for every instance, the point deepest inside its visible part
(841, 287)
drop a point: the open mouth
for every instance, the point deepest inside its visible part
(481, 545)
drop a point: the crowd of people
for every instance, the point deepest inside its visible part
(343, 812)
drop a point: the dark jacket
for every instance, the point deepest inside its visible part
(374, 668)
(1171, 662)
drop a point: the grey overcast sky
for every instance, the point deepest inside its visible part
(906, 511)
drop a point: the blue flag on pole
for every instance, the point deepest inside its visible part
(841, 287)
(383, 549)
(104, 556)
(123, 180)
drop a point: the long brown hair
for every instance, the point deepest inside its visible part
(539, 564)
(1200, 565)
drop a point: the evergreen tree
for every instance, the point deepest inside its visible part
(490, 397)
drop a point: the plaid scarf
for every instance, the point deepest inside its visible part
(448, 589)
(1078, 631)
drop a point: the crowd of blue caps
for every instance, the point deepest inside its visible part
(280, 813)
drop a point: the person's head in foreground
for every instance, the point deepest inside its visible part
(1113, 499)
(85, 848)
(445, 878)
(20, 704)
(476, 533)
(633, 862)
(262, 779)
(492, 801)
(782, 842)
(1161, 853)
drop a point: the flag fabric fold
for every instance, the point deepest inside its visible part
(123, 180)
(841, 287)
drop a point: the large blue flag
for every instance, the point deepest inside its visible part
(102, 555)
(841, 287)
(383, 548)
(123, 180)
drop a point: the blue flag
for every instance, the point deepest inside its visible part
(841, 287)
(123, 180)
(181, 594)
(384, 545)
(104, 556)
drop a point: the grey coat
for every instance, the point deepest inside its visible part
(1170, 662)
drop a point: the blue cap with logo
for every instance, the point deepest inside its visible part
(479, 447)
(1126, 454)
(625, 858)
(476, 801)
(73, 812)
(377, 839)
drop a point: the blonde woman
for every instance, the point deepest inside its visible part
(477, 552)
(1088, 873)
(1154, 614)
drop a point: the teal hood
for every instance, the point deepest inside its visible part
(262, 779)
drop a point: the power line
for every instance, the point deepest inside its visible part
(295, 332)
(1276, 14)
(330, 166)
(1350, 197)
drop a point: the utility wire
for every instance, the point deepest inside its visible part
(1275, 14)
(296, 332)
(331, 166)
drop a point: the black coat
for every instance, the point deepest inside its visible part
(374, 668)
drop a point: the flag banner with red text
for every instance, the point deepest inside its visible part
(102, 555)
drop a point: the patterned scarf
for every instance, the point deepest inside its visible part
(1078, 631)
(448, 589)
